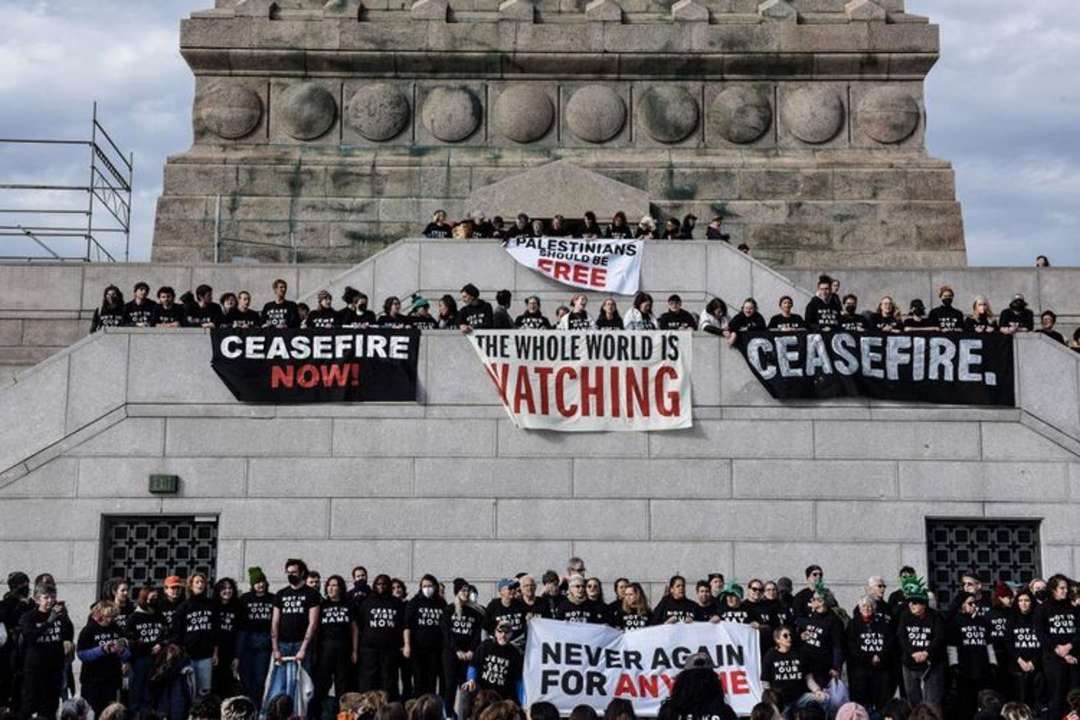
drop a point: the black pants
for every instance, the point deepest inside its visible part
(100, 694)
(870, 687)
(333, 667)
(426, 669)
(967, 696)
(404, 666)
(41, 691)
(379, 670)
(1058, 676)
(455, 671)
(222, 680)
(1027, 688)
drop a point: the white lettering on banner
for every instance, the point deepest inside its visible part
(590, 381)
(314, 347)
(612, 266)
(571, 664)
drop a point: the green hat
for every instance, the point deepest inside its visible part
(914, 589)
(256, 575)
(732, 588)
(413, 303)
(824, 593)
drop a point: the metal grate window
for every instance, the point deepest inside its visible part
(995, 549)
(149, 549)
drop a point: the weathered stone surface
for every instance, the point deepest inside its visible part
(742, 114)
(669, 113)
(778, 10)
(813, 114)
(888, 115)
(689, 11)
(379, 112)
(603, 11)
(429, 10)
(524, 112)
(518, 10)
(308, 111)
(595, 113)
(452, 114)
(865, 10)
(230, 112)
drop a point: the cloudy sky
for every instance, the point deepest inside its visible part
(1004, 107)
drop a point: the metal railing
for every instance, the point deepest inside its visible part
(108, 195)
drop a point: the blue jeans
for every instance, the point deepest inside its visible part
(175, 698)
(204, 676)
(254, 653)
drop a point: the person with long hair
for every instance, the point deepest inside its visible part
(145, 633)
(675, 607)
(822, 636)
(192, 629)
(111, 311)
(633, 611)
(697, 693)
(392, 316)
(619, 229)
(227, 610)
(461, 631)
(103, 651)
(1024, 662)
(1056, 627)
(335, 649)
(981, 319)
(578, 317)
(609, 318)
(640, 316)
(381, 622)
(119, 592)
(714, 318)
(446, 312)
(887, 318)
(355, 314)
(423, 635)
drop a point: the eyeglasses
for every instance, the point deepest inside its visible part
(755, 589)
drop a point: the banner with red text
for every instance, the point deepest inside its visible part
(590, 381)
(609, 266)
(571, 664)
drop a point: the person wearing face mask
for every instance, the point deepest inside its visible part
(381, 623)
(336, 647)
(1018, 317)
(192, 629)
(851, 320)
(916, 320)
(296, 617)
(254, 648)
(1056, 627)
(462, 623)
(675, 607)
(971, 655)
(1023, 652)
(945, 317)
(355, 314)
(423, 635)
(145, 633)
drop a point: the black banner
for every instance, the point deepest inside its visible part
(934, 367)
(317, 366)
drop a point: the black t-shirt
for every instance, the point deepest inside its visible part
(144, 315)
(435, 230)
(886, 323)
(106, 669)
(787, 324)
(715, 710)
(743, 323)
(43, 639)
(1053, 335)
(107, 317)
(423, 618)
(335, 623)
(256, 612)
(193, 627)
(320, 319)
(477, 315)
(382, 621)
(1017, 319)
(227, 625)
(579, 321)
(822, 641)
(281, 315)
(498, 668)
(349, 318)
(867, 639)
(588, 611)
(822, 315)
(395, 321)
(980, 324)
(169, 315)
(912, 322)
(627, 621)
(946, 318)
(423, 322)
(144, 631)
(684, 610)
(677, 320)
(786, 673)
(970, 636)
(514, 614)
(242, 319)
(853, 323)
(925, 634)
(624, 232)
(1021, 640)
(461, 631)
(739, 615)
(532, 321)
(605, 323)
(168, 609)
(294, 604)
(196, 316)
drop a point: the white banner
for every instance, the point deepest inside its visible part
(590, 381)
(571, 664)
(611, 266)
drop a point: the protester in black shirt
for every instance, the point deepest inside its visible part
(591, 229)
(558, 227)
(1018, 317)
(536, 228)
(102, 649)
(497, 665)
(982, 317)
(42, 633)
(418, 310)
(474, 314)
(532, 318)
(192, 628)
(392, 316)
(676, 318)
(172, 600)
(887, 317)
(381, 621)
(822, 638)
(499, 231)
(784, 671)
(119, 592)
(253, 643)
(705, 600)
(851, 320)
(619, 229)
(227, 611)
(243, 317)
(111, 312)
(578, 607)
(324, 316)
(295, 619)
(140, 311)
(336, 646)
(423, 635)
(506, 608)
(632, 611)
(355, 314)
(447, 313)
(786, 320)
(646, 229)
(461, 627)
(971, 655)
(687, 227)
(1024, 661)
(228, 303)
(801, 602)
(714, 230)
(1056, 627)
(672, 229)
(281, 313)
(640, 316)
(578, 317)
(730, 605)
(675, 607)
(916, 320)
(945, 317)
(169, 314)
(204, 312)
(920, 640)
(823, 311)
(749, 320)
(500, 317)
(609, 318)
(870, 649)
(520, 228)
(1047, 321)
(438, 227)
(697, 694)
(146, 631)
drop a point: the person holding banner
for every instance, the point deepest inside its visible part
(714, 318)
(578, 317)
(355, 314)
(748, 320)
(675, 607)
(591, 229)
(851, 320)
(697, 694)
(732, 608)
(982, 317)
(576, 607)
(823, 311)
(887, 318)
(497, 665)
(945, 317)
(633, 612)
(619, 229)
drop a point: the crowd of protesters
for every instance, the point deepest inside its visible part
(478, 226)
(162, 649)
(828, 310)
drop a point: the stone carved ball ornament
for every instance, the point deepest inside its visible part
(669, 113)
(595, 114)
(742, 114)
(813, 114)
(308, 111)
(452, 114)
(889, 115)
(524, 113)
(378, 112)
(230, 112)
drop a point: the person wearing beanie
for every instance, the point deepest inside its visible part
(852, 711)
(920, 637)
(253, 647)
(732, 607)
(461, 626)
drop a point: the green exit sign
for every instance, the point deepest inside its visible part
(164, 484)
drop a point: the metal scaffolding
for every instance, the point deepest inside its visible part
(49, 229)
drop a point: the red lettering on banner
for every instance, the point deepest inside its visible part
(307, 376)
(670, 408)
(282, 376)
(544, 375)
(737, 683)
(499, 374)
(310, 375)
(592, 391)
(615, 392)
(335, 375)
(637, 393)
(523, 391)
(560, 392)
(575, 274)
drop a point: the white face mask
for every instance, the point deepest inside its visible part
(428, 591)
(473, 597)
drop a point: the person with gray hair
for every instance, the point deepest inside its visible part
(238, 708)
(871, 650)
(76, 708)
(875, 590)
